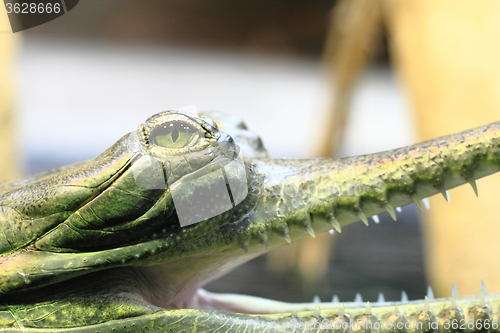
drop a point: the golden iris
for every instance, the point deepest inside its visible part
(173, 135)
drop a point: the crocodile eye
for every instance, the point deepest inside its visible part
(173, 135)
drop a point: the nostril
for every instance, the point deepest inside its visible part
(227, 146)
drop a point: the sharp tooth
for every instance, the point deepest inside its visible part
(446, 195)
(287, 238)
(317, 311)
(404, 297)
(482, 299)
(427, 307)
(331, 231)
(482, 295)
(473, 184)
(376, 219)
(381, 298)
(335, 224)
(335, 299)
(399, 210)
(453, 304)
(294, 313)
(454, 291)
(286, 234)
(363, 218)
(316, 299)
(341, 310)
(417, 202)
(368, 309)
(390, 210)
(310, 231)
(430, 293)
(426, 203)
(483, 287)
(358, 298)
(263, 239)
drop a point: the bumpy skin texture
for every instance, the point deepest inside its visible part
(99, 246)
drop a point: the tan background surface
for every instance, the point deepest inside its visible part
(447, 53)
(9, 166)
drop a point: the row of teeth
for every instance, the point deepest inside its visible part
(391, 211)
(425, 202)
(336, 225)
(404, 299)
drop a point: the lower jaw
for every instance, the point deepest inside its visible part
(243, 304)
(230, 310)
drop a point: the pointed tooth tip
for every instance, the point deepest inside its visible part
(381, 298)
(316, 299)
(417, 202)
(390, 210)
(358, 298)
(404, 297)
(335, 299)
(341, 310)
(399, 209)
(287, 238)
(483, 287)
(317, 311)
(376, 219)
(426, 203)
(294, 313)
(310, 231)
(368, 309)
(363, 218)
(454, 291)
(264, 239)
(331, 231)
(473, 184)
(336, 225)
(430, 293)
(446, 195)
(482, 295)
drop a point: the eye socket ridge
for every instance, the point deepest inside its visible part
(174, 134)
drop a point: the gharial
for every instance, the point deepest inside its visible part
(126, 241)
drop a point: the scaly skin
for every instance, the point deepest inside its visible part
(98, 246)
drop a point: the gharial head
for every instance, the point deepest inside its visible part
(167, 187)
(178, 202)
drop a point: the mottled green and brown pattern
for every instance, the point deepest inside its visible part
(84, 248)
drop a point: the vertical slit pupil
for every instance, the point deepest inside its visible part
(175, 134)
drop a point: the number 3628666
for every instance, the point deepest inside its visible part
(32, 8)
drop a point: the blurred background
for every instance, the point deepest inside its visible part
(80, 82)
